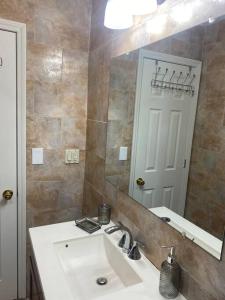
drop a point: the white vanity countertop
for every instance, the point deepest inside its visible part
(53, 281)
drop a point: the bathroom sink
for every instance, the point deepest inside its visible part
(94, 267)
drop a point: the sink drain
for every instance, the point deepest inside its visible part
(102, 281)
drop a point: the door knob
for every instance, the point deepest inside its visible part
(7, 194)
(140, 182)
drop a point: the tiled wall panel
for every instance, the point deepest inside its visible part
(57, 78)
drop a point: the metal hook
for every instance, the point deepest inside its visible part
(164, 75)
(188, 75)
(193, 77)
(157, 69)
(172, 75)
(178, 79)
(174, 72)
(157, 72)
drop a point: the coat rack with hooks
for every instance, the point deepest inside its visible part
(171, 80)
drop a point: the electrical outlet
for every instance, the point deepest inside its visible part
(72, 156)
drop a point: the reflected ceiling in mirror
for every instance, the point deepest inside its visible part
(166, 131)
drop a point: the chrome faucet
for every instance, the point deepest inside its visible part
(126, 241)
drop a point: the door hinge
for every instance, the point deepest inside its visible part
(185, 163)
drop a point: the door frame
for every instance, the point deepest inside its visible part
(179, 60)
(20, 30)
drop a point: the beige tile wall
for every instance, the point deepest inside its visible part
(57, 75)
(122, 87)
(205, 199)
(203, 277)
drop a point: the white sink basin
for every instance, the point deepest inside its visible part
(84, 260)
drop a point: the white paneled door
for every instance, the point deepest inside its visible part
(164, 124)
(8, 166)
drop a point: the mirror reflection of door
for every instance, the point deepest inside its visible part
(166, 101)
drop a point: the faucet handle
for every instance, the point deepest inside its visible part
(122, 241)
(123, 238)
(134, 252)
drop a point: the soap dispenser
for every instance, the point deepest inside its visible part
(170, 276)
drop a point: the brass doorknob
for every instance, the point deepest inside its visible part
(140, 182)
(7, 195)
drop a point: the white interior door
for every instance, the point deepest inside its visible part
(164, 124)
(8, 166)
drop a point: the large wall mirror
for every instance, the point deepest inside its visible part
(166, 131)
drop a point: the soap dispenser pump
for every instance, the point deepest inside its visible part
(170, 276)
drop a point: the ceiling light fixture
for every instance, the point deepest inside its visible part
(118, 15)
(142, 7)
(182, 13)
(157, 24)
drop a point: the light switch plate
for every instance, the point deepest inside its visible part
(123, 153)
(37, 156)
(72, 156)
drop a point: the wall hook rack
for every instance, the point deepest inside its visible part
(175, 82)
